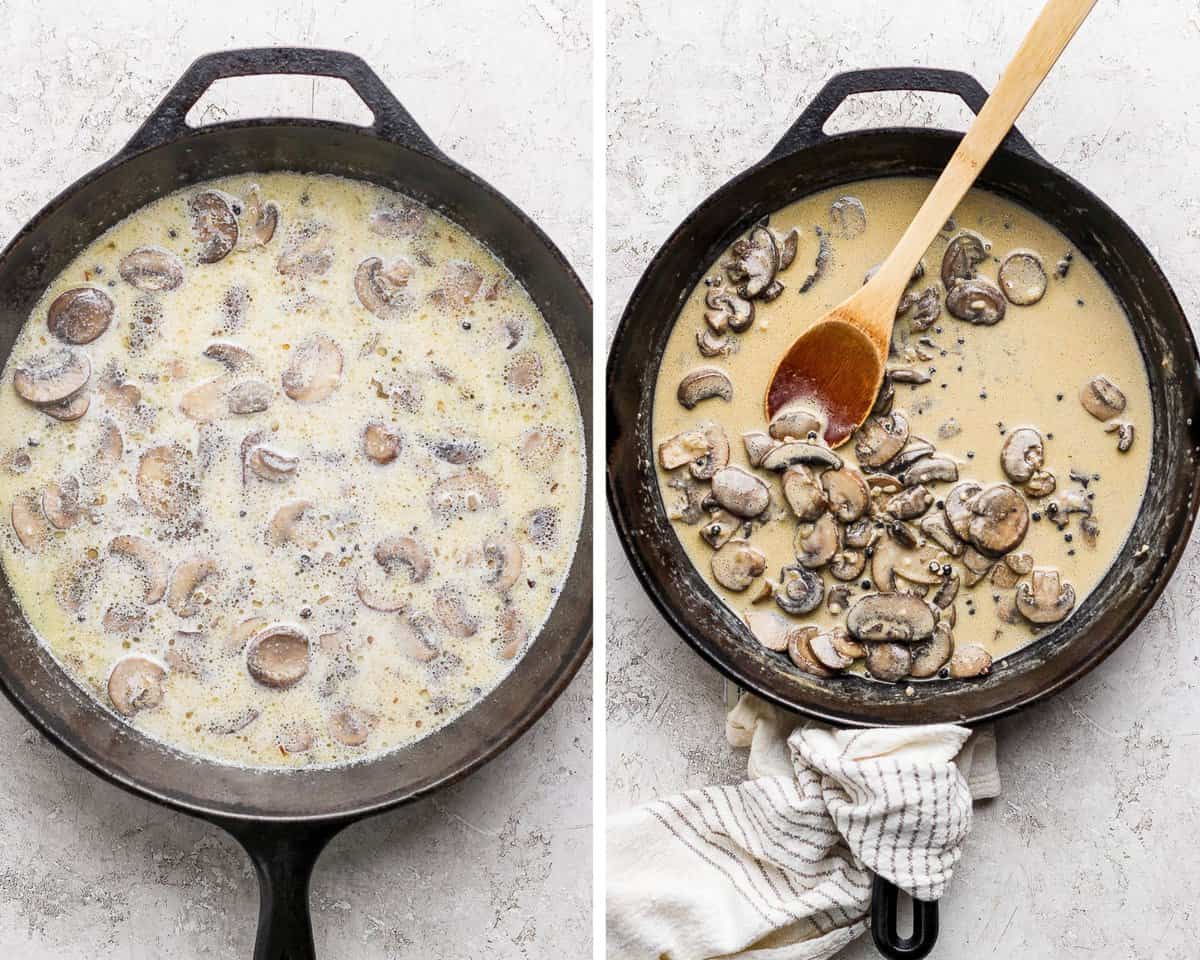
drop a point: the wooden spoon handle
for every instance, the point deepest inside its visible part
(1047, 38)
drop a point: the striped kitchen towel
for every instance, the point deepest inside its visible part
(779, 867)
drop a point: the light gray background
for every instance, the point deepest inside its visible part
(499, 866)
(1092, 849)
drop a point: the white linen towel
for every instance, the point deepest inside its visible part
(779, 867)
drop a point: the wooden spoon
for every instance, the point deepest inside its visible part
(836, 366)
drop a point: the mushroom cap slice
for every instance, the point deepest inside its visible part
(847, 493)
(232, 356)
(1022, 278)
(769, 628)
(166, 481)
(963, 253)
(467, 492)
(977, 301)
(1045, 598)
(380, 444)
(716, 455)
(783, 455)
(795, 423)
(755, 262)
(72, 408)
(395, 553)
(384, 290)
(800, 590)
(459, 287)
(29, 522)
(800, 652)
(909, 504)
(53, 376)
(958, 507)
(152, 269)
(704, 383)
(277, 656)
(889, 661)
(80, 315)
(60, 503)
(202, 402)
(307, 252)
(970, 660)
(456, 450)
(737, 565)
(214, 225)
(124, 616)
(937, 528)
(314, 371)
(816, 543)
(513, 632)
(931, 656)
(930, 469)
(890, 618)
(249, 396)
(1100, 397)
(758, 444)
(847, 565)
(450, 608)
(397, 220)
(262, 217)
(827, 652)
(999, 519)
(880, 438)
(849, 216)
(351, 726)
(151, 563)
(414, 637)
(740, 492)
(186, 579)
(503, 559)
(267, 463)
(282, 527)
(717, 530)
(76, 582)
(136, 683)
(1023, 454)
(109, 449)
(803, 491)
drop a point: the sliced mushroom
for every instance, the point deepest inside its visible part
(414, 636)
(978, 565)
(351, 726)
(754, 263)
(816, 543)
(1100, 397)
(52, 377)
(232, 356)
(930, 657)
(397, 220)
(963, 253)
(60, 503)
(803, 491)
(712, 344)
(214, 225)
(80, 315)
(314, 371)
(860, 534)
(460, 285)
(758, 445)
(719, 528)
(29, 522)
(538, 448)
(282, 527)
(541, 526)
(737, 565)
(263, 218)
(395, 553)
(908, 375)
(308, 251)
(383, 290)
(682, 448)
(916, 450)
(124, 617)
(450, 608)
(270, 464)
(796, 423)
(70, 409)
(958, 507)
(704, 383)
(801, 654)
(1124, 432)
(152, 269)
(1040, 484)
(847, 493)
(784, 455)
(828, 652)
(933, 469)
(890, 618)
(914, 564)
(466, 492)
(166, 481)
(1003, 576)
(523, 372)
(202, 403)
(889, 661)
(457, 450)
(849, 216)
(76, 581)
(1023, 278)
(726, 310)
(969, 661)
(1045, 598)
(847, 565)
(880, 438)
(910, 503)
(799, 590)
(136, 683)
(937, 528)
(977, 301)
(999, 519)
(769, 628)
(186, 579)
(249, 396)
(740, 492)
(277, 656)
(150, 563)
(1023, 454)
(503, 558)
(109, 449)
(381, 444)
(943, 597)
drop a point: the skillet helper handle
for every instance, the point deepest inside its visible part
(888, 942)
(809, 128)
(283, 855)
(391, 121)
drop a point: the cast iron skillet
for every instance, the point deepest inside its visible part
(285, 819)
(807, 160)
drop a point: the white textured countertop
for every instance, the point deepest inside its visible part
(1093, 848)
(498, 866)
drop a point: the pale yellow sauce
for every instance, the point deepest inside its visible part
(1003, 376)
(438, 372)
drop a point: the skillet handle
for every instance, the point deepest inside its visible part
(883, 924)
(809, 129)
(391, 121)
(283, 855)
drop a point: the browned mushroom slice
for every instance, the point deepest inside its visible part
(737, 565)
(450, 608)
(74, 407)
(716, 457)
(308, 251)
(282, 527)
(1040, 484)
(503, 561)
(711, 344)
(459, 287)
(892, 562)
(52, 377)
(799, 590)
(314, 371)
(978, 565)
(931, 656)
(80, 315)
(60, 503)
(683, 448)
(124, 617)
(754, 263)
(150, 563)
(740, 492)
(890, 618)
(351, 726)
(816, 543)
(726, 310)
(977, 301)
(880, 438)
(999, 519)
(381, 444)
(933, 469)
(1003, 576)
(523, 372)
(263, 218)
(800, 652)
(909, 504)
(166, 482)
(249, 396)
(758, 445)
(937, 528)
(232, 356)
(214, 225)
(270, 464)
(1045, 598)
(17, 461)
(395, 553)
(889, 661)
(277, 656)
(295, 737)
(784, 455)
(796, 423)
(1022, 278)
(186, 580)
(849, 216)
(383, 290)
(847, 493)
(861, 534)
(803, 491)
(847, 565)
(414, 637)
(1124, 432)
(963, 253)
(769, 628)
(397, 220)
(513, 633)
(456, 450)
(76, 582)
(704, 383)
(379, 591)
(828, 653)
(719, 528)
(28, 521)
(467, 492)
(1023, 454)
(958, 507)
(1100, 397)
(152, 269)
(123, 397)
(202, 403)
(969, 661)
(136, 683)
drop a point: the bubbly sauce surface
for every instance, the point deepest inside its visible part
(318, 503)
(980, 383)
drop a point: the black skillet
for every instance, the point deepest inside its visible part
(285, 819)
(807, 160)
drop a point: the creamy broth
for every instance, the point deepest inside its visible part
(1027, 370)
(329, 500)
